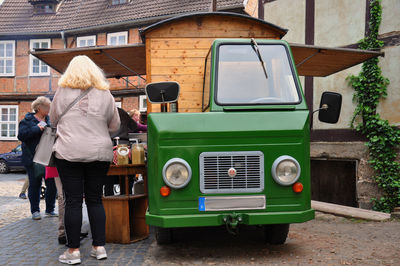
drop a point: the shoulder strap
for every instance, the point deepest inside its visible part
(83, 94)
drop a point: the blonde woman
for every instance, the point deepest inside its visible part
(135, 115)
(83, 150)
(30, 130)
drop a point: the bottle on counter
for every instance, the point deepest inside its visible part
(137, 153)
(122, 154)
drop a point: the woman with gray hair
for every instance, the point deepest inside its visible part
(29, 132)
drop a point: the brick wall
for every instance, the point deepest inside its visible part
(23, 83)
(130, 103)
(23, 108)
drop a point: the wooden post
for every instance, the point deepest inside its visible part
(213, 6)
(261, 9)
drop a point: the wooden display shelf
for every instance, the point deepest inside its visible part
(125, 214)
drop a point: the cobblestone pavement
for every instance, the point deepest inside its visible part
(27, 242)
(12, 208)
(327, 240)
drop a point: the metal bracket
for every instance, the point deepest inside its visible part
(127, 80)
(123, 65)
(308, 58)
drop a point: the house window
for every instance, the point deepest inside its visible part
(142, 103)
(86, 41)
(118, 2)
(37, 67)
(8, 122)
(117, 38)
(7, 58)
(44, 8)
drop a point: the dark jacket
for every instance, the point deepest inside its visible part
(29, 133)
(128, 125)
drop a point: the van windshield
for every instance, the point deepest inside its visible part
(241, 79)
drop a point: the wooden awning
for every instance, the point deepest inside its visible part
(116, 61)
(323, 61)
(130, 60)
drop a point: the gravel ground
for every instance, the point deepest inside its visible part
(327, 240)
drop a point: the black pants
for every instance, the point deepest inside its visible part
(34, 189)
(78, 178)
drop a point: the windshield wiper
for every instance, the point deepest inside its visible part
(257, 50)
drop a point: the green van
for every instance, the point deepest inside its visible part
(244, 160)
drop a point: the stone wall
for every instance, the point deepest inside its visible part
(341, 23)
(366, 187)
(336, 24)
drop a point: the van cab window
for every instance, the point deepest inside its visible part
(241, 79)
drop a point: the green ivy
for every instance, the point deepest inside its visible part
(383, 139)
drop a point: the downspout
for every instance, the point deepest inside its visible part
(63, 38)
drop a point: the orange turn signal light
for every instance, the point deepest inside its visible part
(165, 191)
(297, 187)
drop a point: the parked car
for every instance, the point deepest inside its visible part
(11, 160)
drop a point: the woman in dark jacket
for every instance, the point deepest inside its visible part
(29, 132)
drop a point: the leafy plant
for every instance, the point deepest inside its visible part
(383, 139)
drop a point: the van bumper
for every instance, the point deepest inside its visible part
(217, 219)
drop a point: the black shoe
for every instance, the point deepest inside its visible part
(62, 240)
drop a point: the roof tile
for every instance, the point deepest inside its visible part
(16, 16)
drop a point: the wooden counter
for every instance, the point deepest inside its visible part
(125, 214)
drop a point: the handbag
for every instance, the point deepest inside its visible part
(38, 171)
(51, 172)
(44, 150)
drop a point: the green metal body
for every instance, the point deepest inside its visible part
(274, 130)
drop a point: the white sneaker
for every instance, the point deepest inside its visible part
(99, 253)
(70, 258)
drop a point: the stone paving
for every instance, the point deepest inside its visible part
(12, 208)
(27, 242)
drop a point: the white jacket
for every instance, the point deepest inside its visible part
(83, 133)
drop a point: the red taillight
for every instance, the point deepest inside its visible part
(297, 187)
(165, 191)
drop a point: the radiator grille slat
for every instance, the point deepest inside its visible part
(214, 168)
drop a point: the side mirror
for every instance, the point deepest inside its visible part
(162, 92)
(329, 107)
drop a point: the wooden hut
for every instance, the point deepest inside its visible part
(176, 49)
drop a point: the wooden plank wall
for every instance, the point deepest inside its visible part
(176, 52)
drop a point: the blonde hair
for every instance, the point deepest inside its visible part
(82, 73)
(133, 112)
(41, 100)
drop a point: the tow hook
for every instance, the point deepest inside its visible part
(232, 221)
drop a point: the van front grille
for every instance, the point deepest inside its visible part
(247, 166)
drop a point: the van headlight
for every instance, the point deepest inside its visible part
(177, 173)
(286, 170)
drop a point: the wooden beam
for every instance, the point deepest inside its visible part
(332, 135)
(309, 39)
(349, 211)
(367, 17)
(213, 6)
(261, 9)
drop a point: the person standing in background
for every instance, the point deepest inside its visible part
(29, 133)
(135, 115)
(22, 195)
